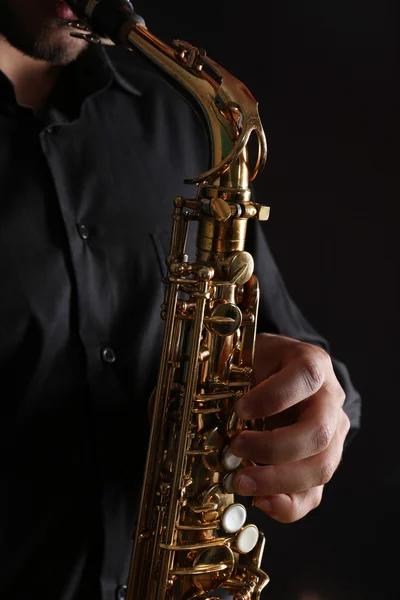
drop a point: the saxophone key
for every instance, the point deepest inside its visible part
(225, 319)
(227, 483)
(230, 462)
(246, 539)
(233, 518)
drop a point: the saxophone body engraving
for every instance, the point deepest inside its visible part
(191, 538)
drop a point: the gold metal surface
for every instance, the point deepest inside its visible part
(180, 550)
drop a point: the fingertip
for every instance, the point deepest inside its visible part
(244, 485)
(241, 409)
(276, 506)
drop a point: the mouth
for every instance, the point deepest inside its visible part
(64, 12)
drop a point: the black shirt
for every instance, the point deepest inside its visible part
(85, 214)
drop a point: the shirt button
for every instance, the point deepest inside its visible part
(83, 231)
(121, 592)
(49, 129)
(108, 355)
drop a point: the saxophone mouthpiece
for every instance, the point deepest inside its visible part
(107, 18)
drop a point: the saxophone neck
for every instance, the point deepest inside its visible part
(227, 108)
(230, 115)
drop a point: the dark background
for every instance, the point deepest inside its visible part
(325, 75)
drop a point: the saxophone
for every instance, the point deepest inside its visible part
(191, 538)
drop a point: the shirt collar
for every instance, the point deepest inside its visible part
(120, 79)
(7, 91)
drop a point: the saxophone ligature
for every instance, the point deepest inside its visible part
(191, 540)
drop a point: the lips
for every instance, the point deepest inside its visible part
(63, 11)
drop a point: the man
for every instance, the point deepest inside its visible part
(94, 147)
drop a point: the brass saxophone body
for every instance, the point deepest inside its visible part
(191, 539)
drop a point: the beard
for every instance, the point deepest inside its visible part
(33, 28)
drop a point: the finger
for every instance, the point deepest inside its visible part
(310, 435)
(298, 380)
(288, 508)
(293, 477)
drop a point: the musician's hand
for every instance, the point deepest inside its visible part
(298, 393)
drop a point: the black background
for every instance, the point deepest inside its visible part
(325, 75)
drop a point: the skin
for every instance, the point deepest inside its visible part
(301, 400)
(34, 46)
(296, 389)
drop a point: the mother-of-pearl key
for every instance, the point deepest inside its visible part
(228, 483)
(246, 539)
(233, 518)
(229, 460)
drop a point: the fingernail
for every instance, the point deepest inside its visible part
(245, 485)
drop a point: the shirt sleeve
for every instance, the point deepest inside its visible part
(279, 314)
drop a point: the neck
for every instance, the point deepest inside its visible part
(33, 79)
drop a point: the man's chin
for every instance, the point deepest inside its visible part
(57, 46)
(52, 42)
